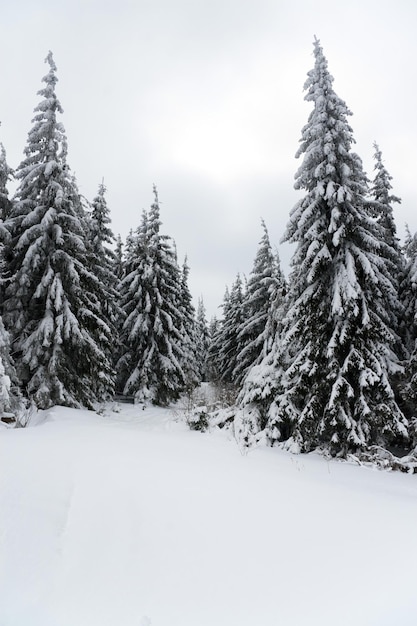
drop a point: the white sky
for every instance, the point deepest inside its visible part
(204, 98)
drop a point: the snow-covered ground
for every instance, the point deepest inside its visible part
(131, 519)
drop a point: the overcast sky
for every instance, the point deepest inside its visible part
(204, 98)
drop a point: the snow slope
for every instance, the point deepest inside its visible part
(131, 519)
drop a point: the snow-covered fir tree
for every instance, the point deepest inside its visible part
(384, 199)
(119, 258)
(189, 332)
(212, 365)
(6, 174)
(382, 202)
(226, 343)
(5, 209)
(104, 261)
(53, 301)
(102, 237)
(10, 395)
(150, 368)
(10, 398)
(130, 301)
(265, 283)
(408, 291)
(202, 340)
(408, 328)
(326, 381)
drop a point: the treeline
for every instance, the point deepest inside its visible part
(325, 359)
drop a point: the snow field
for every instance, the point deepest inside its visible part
(130, 519)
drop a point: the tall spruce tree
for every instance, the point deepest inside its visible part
(333, 365)
(53, 305)
(150, 368)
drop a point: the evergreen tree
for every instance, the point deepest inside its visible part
(5, 208)
(102, 236)
(5, 174)
(104, 263)
(53, 300)
(226, 344)
(409, 248)
(119, 258)
(212, 364)
(265, 282)
(10, 398)
(333, 363)
(150, 368)
(189, 332)
(382, 204)
(202, 341)
(408, 290)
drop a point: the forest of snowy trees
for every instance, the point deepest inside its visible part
(323, 360)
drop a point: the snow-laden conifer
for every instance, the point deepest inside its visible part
(202, 340)
(6, 174)
(150, 368)
(226, 344)
(53, 301)
(10, 398)
(408, 291)
(265, 282)
(382, 203)
(5, 208)
(384, 199)
(105, 262)
(334, 361)
(214, 329)
(189, 332)
(119, 258)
